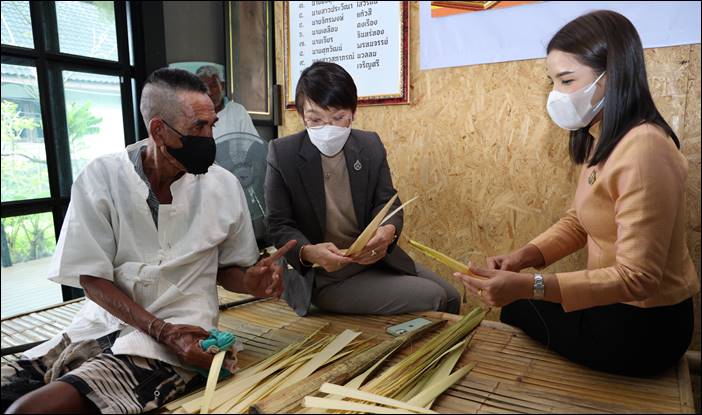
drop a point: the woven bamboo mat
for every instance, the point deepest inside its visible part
(512, 374)
(38, 325)
(228, 296)
(44, 323)
(517, 374)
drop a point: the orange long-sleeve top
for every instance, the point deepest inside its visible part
(630, 213)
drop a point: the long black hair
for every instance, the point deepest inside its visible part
(607, 41)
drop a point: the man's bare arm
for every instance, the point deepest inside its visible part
(181, 339)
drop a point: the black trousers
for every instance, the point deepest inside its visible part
(617, 338)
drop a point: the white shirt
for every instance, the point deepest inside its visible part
(233, 118)
(171, 271)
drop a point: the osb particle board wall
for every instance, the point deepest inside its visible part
(491, 168)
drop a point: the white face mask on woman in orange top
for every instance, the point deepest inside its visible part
(575, 110)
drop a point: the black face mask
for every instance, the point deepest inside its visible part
(197, 154)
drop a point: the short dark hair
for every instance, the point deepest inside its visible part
(160, 92)
(327, 85)
(607, 41)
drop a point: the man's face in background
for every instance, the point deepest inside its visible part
(214, 89)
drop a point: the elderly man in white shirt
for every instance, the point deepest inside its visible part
(148, 235)
(233, 117)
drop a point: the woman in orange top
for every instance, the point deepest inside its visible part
(630, 311)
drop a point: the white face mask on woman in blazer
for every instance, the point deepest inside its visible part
(329, 139)
(328, 128)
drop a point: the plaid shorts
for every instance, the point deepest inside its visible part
(114, 383)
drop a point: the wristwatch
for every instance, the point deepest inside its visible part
(538, 287)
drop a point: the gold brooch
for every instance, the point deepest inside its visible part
(592, 178)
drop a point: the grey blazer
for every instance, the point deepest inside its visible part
(296, 206)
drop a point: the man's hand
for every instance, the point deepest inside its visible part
(377, 247)
(184, 341)
(265, 279)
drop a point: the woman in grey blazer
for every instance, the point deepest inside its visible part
(323, 186)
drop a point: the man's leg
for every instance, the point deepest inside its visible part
(27, 375)
(56, 397)
(20, 378)
(127, 384)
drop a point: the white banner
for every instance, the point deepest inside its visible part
(523, 32)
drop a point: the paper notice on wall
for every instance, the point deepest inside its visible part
(364, 37)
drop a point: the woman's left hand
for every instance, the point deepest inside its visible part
(377, 247)
(498, 288)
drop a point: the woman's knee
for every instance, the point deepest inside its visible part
(429, 295)
(448, 296)
(453, 300)
(517, 313)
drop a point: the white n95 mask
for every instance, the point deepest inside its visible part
(575, 110)
(329, 139)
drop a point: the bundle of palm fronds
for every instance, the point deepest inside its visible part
(413, 383)
(286, 367)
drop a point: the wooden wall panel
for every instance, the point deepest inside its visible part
(492, 169)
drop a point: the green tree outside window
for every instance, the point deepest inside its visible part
(26, 238)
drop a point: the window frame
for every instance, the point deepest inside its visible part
(50, 63)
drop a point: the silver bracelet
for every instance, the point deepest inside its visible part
(160, 331)
(538, 287)
(148, 328)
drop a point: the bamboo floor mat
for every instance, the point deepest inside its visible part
(228, 296)
(37, 325)
(513, 373)
(45, 323)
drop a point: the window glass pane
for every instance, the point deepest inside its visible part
(94, 116)
(17, 24)
(24, 171)
(28, 243)
(87, 28)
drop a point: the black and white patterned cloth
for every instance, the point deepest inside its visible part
(114, 383)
